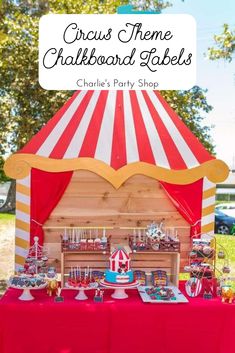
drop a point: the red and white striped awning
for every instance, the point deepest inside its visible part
(118, 134)
(118, 128)
(120, 255)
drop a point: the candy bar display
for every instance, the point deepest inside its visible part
(202, 248)
(141, 277)
(97, 276)
(77, 239)
(202, 268)
(159, 278)
(202, 258)
(139, 241)
(81, 278)
(154, 238)
(161, 294)
(27, 283)
(22, 282)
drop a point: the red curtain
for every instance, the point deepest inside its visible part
(188, 201)
(46, 191)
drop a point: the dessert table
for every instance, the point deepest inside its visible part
(114, 326)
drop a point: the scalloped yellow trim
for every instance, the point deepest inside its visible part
(18, 165)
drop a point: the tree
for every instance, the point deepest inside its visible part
(224, 45)
(190, 106)
(10, 201)
(3, 177)
(25, 106)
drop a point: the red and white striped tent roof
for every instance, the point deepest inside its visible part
(118, 129)
(120, 255)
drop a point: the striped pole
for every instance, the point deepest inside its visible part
(22, 233)
(208, 207)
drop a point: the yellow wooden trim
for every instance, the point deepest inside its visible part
(23, 189)
(19, 260)
(213, 244)
(20, 206)
(22, 243)
(18, 166)
(208, 227)
(208, 193)
(208, 210)
(22, 225)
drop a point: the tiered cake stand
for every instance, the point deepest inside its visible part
(81, 290)
(26, 294)
(119, 289)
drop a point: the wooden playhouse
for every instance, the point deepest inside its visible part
(117, 160)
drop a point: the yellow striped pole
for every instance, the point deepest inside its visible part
(208, 207)
(22, 233)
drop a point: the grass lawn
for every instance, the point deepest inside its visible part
(226, 243)
(5, 217)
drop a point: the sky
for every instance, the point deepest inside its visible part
(216, 76)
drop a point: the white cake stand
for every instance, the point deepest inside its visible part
(26, 294)
(81, 290)
(119, 289)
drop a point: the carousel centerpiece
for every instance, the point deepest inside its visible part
(36, 261)
(35, 274)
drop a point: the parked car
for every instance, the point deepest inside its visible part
(227, 208)
(224, 224)
(2, 200)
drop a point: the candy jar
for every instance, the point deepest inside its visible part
(221, 254)
(104, 240)
(226, 269)
(83, 244)
(97, 243)
(227, 294)
(90, 244)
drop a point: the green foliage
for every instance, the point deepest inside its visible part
(25, 106)
(226, 242)
(190, 105)
(3, 177)
(224, 45)
(149, 5)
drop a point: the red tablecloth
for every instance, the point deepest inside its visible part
(115, 326)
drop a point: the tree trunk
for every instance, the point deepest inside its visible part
(10, 204)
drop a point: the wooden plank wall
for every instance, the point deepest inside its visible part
(145, 261)
(92, 201)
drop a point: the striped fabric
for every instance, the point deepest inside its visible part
(119, 254)
(208, 206)
(119, 127)
(22, 238)
(118, 258)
